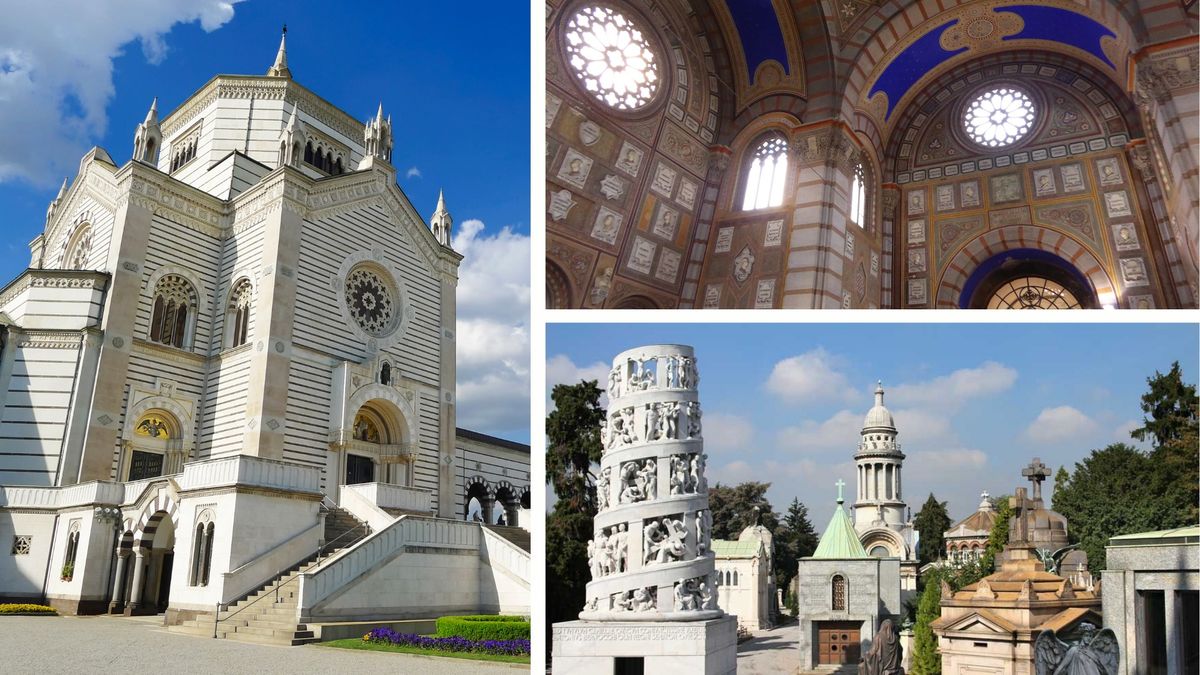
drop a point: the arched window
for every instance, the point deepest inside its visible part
(766, 174)
(237, 316)
(308, 152)
(839, 592)
(337, 167)
(735, 581)
(172, 317)
(80, 245)
(202, 548)
(858, 197)
(68, 568)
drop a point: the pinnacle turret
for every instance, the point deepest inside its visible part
(280, 67)
(147, 139)
(441, 221)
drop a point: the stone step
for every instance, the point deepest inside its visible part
(265, 640)
(287, 632)
(198, 631)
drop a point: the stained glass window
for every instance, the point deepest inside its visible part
(1030, 292)
(858, 197)
(611, 57)
(999, 117)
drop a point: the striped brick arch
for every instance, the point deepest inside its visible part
(151, 516)
(993, 242)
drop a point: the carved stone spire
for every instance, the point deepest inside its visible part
(377, 137)
(280, 67)
(62, 192)
(147, 140)
(292, 140)
(441, 221)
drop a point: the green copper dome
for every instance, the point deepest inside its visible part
(840, 539)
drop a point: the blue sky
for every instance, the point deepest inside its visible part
(973, 402)
(78, 74)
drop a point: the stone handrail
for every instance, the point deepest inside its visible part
(348, 565)
(502, 554)
(242, 581)
(250, 471)
(388, 496)
(362, 506)
(92, 492)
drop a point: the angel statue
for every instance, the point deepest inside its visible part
(886, 653)
(1094, 653)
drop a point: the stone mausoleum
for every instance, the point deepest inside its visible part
(230, 366)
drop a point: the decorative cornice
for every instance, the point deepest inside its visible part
(52, 279)
(174, 200)
(36, 339)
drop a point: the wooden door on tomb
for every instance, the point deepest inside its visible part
(838, 642)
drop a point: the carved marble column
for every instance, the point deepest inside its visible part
(118, 601)
(651, 558)
(139, 580)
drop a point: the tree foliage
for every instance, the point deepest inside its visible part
(931, 522)
(925, 657)
(733, 509)
(795, 538)
(998, 537)
(573, 446)
(1171, 408)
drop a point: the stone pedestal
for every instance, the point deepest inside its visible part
(666, 647)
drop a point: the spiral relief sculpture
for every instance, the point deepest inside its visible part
(650, 556)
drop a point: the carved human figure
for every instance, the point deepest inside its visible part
(652, 537)
(701, 531)
(623, 602)
(886, 653)
(1096, 652)
(602, 486)
(685, 599)
(602, 554)
(687, 372)
(643, 600)
(708, 595)
(653, 422)
(672, 373)
(693, 419)
(594, 560)
(614, 383)
(648, 479)
(670, 419)
(631, 491)
(674, 547)
(679, 474)
(620, 545)
(647, 379)
(697, 482)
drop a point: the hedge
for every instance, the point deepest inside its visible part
(484, 627)
(23, 608)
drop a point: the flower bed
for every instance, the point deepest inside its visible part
(387, 636)
(25, 608)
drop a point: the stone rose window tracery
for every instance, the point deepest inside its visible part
(612, 58)
(999, 117)
(371, 301)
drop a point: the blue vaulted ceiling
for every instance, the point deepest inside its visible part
(1040, 23)
(759, 32)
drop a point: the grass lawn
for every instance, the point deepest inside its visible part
(357, 643)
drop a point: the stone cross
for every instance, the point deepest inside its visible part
(1036, 472)
(840, 484)
(1020, 505)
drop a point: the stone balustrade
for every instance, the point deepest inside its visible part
(388, 496)
(251, 471)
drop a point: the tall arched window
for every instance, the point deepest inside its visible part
(766, 174)
(735, 581)
(839, 592)
(68, 568)
(237, 316)
(173, 315)
(858, 197)
(202, 548)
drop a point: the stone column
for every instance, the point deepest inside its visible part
(139, 578)
(118, 602)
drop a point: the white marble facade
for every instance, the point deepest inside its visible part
(270, 299)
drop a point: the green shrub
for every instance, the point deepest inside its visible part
(484, 627)
(25, 608)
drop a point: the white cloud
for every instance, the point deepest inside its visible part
(813, 375)
(493, 329)
(726, 434)
(560, 369)
(413, 172)
(1060, 424)
(839, 433)
(954, 389)
(56, 74)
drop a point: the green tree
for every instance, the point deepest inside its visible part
(931, 522)
(573, 446)
(1170, 421)
(733, 509)
(925, 657)
(1114, 491)
(794, 539)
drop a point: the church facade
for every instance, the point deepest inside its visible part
(233, 355)
(871, 154)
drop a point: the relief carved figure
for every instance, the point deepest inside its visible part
(680, 475)
(631, 484)
(602, 487)
(699, 484)
(693, 419)
(663, 541)
(672, 380)
(692, 595)
(619, 544)
(654, 429)
(670, 413)
(648, 478)
(620, 428)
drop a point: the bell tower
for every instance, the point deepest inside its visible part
(880, 500)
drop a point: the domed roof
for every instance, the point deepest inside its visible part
(879, 416)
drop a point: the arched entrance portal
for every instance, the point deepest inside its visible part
(478, 503)
(378, 450)
(153, 559)
(1027, 279)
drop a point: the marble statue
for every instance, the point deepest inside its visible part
(672, 373)
(679, 474)
(1096, 652)
(653, 423)
(693, 419)
(631, 483)
(648, 480)
(602, 483)
(644, 600)
(886, 653)
(670, 414)
(697, 477)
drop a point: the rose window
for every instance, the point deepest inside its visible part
(999, 117)
(371, 301)
(611, 58)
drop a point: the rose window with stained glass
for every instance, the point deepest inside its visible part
(372, 302)
(999, 117)
(612, 58)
